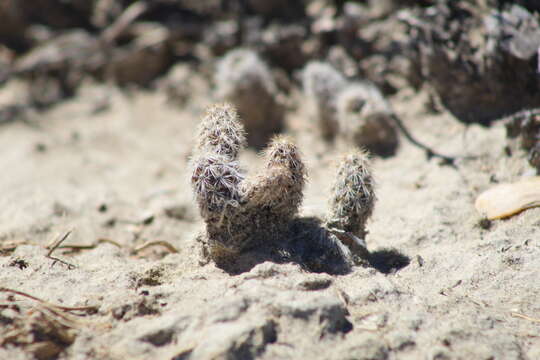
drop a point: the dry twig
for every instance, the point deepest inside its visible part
(130, 14)
(12, 245)
(47, 304)
(91, 246)
(163, 243)
(55, 246)
(521, 316)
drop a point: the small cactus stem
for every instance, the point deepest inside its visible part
(279, 188)
(221, 132)
(353, 195)
(282, 152)
(321, 83)
(216, 183)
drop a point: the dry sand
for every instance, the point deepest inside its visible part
(451, 289)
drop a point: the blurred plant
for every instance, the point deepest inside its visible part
(321, 83)
(365, 118)
(356, 112)
(244, 80)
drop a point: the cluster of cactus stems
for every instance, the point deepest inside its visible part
(353, 111)
(244, 80)
(258, 215)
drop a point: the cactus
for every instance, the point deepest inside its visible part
(279, 188)
(250, 219)
(321, 83)
(216, 175)
(365, 118)
(353, 194)
(244, 80)
(221, 132)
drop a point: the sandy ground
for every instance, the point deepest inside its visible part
(118, 178)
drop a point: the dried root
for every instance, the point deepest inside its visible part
(221, 132)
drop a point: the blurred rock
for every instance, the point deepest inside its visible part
(12, 23)
(326, 313)
(6, 60)
(105, 11)
(9, 113)
(56, 68)
(525, 125)
(222, 36)
(486, 48)
(283, 9)
(236, 340)
(143, 58)
(489, 59)
(531, 5)
(282, 45)
(72, 49)
(342, 61)
(58, 14)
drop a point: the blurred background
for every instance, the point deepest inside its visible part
(477, 58)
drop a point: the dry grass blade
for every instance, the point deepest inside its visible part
(55, 246)
(12, 245)
(48, 304)
(91, 246)
(525, 317)
(148, 244)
